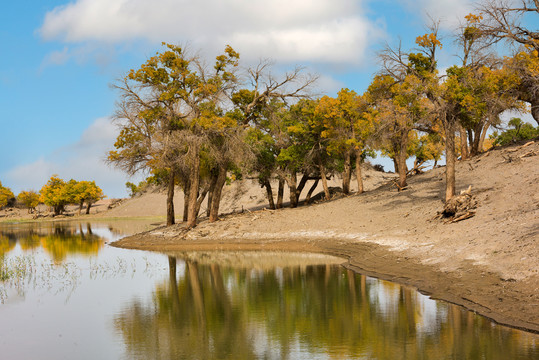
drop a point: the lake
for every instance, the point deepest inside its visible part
(66, 294)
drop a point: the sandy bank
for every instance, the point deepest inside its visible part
(488, 263)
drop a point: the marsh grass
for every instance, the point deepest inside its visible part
(21, 273)
(16, 269)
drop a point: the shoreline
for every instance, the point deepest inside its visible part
(487, 263)
(471, 290)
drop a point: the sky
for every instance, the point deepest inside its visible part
(59, 59)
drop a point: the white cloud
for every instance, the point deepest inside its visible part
(57, 57)
(450, 13)
(526, 116)
(333, 31)
(328, 85)
(83, 160)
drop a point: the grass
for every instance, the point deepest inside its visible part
(16, 269)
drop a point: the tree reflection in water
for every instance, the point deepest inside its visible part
(208, 311)
(59, 240)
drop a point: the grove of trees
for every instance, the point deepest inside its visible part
(192, 125)
(56, 193)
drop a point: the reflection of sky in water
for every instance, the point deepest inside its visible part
(61, 317)
(76, 319)
(386, 296)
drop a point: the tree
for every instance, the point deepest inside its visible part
(30, 199)
(265, 105)
(400, 106)
(519, 131)
(262, 146)
(422, 64)
(53, 194)
(309, 128)
(135, 189)
(165, 107)
(347, 129)
(428, 147)
(503, 20)
(87, 192)
(6, 195)
(480, 87)
(525, 67)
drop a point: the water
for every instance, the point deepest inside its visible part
(71, 296)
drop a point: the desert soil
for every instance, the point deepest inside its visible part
(488, 263)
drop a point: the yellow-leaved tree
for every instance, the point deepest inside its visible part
(6, 195)
(87, 192)
(347, 128)
(53, 194)
(30, 199)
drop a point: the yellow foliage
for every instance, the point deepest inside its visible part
(30, 199)
(428, 40)
(5, 195)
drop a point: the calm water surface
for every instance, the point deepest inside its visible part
(69, 295)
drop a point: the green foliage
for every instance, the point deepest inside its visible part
(264, 147)
(420, 63)
(135, 189)
(428, 147)
(6, 196)
(519, 131)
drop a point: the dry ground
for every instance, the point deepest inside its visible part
(488, 263)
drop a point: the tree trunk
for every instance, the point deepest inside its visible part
(186, 189)
(401, 160)
(463, 143)
(280, 194)
(395, 164)
(217, 190)
(324, 180)
(450, 157)
(292, 182)
(80, 206)
(211, 191)
(269, 193)
(200, 200)
(170, 198)
(483, 135)
(58, 209)
(476, 139)
(535, 109)
(358, 172)
(88, 206)
(311, 190)
(198, 297)
(193, 191)
(347, 173)
(301, 185)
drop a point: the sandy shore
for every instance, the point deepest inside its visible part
(488, 263)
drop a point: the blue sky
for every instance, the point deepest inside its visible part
(59, 59)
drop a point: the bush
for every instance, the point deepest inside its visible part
(519, 131)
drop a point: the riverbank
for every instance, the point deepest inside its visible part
(488, 263)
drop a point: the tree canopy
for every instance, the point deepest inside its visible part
(193, 125)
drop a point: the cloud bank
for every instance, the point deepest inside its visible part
(83, 160)
(450, 13)
(327, 31)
